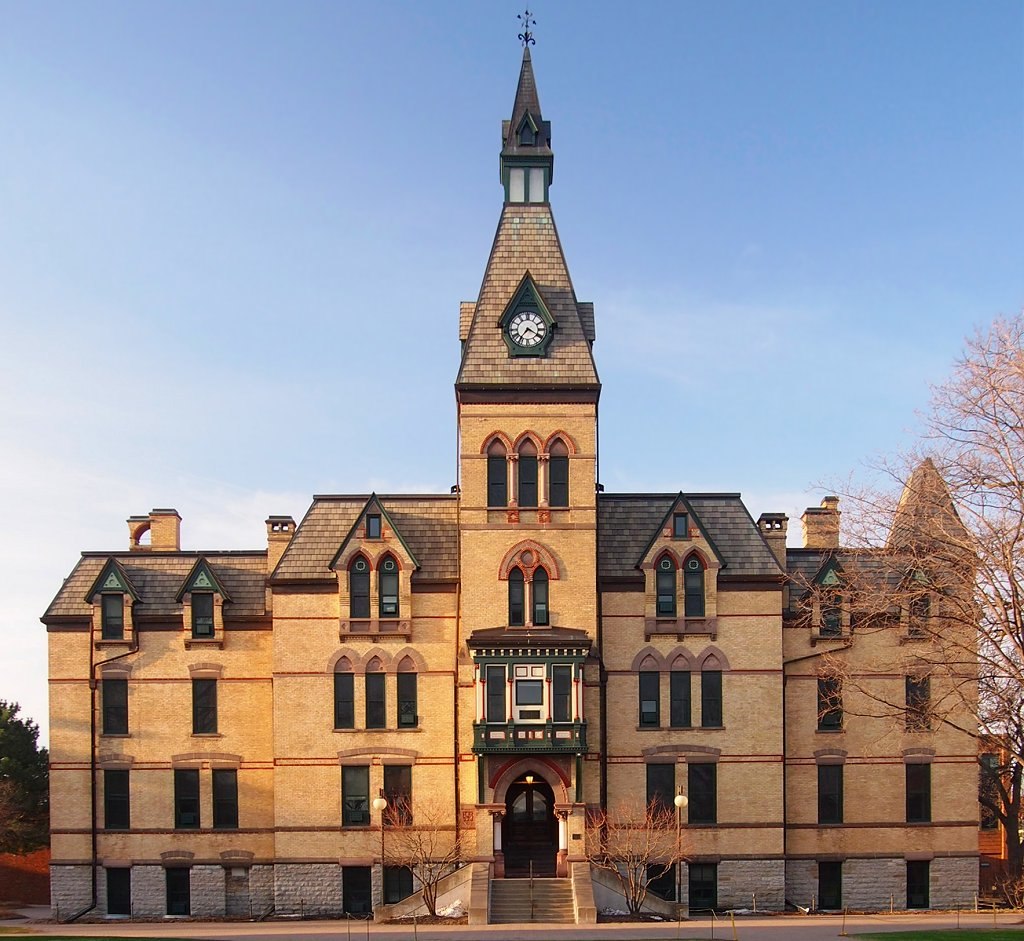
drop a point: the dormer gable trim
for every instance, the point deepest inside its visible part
(373, 505)
(680, 505)
(112, 579)
(202, 578)
(830, 575)
(527, 297)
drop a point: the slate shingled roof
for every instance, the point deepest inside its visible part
(158, 576)
(428, 523)
(628, 521)
(527, 240)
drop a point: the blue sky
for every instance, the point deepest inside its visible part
(234, 238)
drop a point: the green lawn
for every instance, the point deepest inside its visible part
(963, 934)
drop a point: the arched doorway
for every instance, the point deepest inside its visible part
(529, 831)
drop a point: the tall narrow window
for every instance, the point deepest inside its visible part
(831, 615)
(918, 879)
(407, 711)
(561, 688)
(376, 713)
(359, 588)
(115, 707)
(186, 799)
(497, 475)
(355, 796)
(179, 890)
(830, 885)
(344, 696)
(650, 695)
(516, 598)
(666, 587)
(204, 707)
(702, 786)
(919, 612)
(919, 793)
(202, 614)
(918, 697)
(711, 699)
(119, 890)
(558, 474)
(661, 784)
(116, 801)
(496, 709)
(679, 697)
(387, 583)
(527, 474)
(830, 794)
(830, 704)
(693, 587)
(112, 617)
(539, 591)
(225, 799)
(703, 886)
(398, 791)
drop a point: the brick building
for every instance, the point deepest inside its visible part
(503, 658)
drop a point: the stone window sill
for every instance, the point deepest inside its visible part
(207, 735)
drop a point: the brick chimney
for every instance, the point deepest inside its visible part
(821, 525)
(164, 528)
(280, 530)
(773, 527)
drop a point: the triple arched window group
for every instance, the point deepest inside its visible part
(387, 587)
(667, 586)
(514, 474)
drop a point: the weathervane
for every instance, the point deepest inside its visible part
(527, 20)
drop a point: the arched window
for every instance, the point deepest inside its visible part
(693, 587)
(558, 474)
(344, 695)
(711, 693)
(540, 597)
(497, 474)
(527, 482)
(359, 588)
(387, 587)
(516, 598)
(665, 586)
(376, 711)
(408, 716)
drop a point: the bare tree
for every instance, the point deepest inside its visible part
(428, 844)
(637, 844)
(949, 575)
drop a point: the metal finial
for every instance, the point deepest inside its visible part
(526, 20)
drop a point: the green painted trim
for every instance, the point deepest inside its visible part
(112, 570)
(527, 296)
(202, 568)
(830, 574)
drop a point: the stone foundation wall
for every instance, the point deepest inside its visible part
(309, 888)
(801, 882)
(261, 889)
(868, 883)
(70, 889)
(207, 886)
(149, 891)
(739, 880)
(953, 882)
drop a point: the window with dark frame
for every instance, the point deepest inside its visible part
(204, 707)
(387, 584)
(918, 883)
(558, 475)
(373, 529)
(408, 717)
(355, 796)
(398, 792)
(665, 588)
(397, 884)
(344, 701)
(830, 704)
(116, 800)
(119, 890)
(112, 616)
(680, 526)
(830, 794)
(918, 703)
(830, 885)
(516, 598)
(561, 691)
(359, 588)
(831, 615)
(186, 799)
(650, 696)
(661, 788)
(527, 475)
(539, 595)
(693, 588)
(179, 890)
(225, 799)
(376, 711)
(496, 709)
(703, 886)
(115, 707)
(702, 789)
(202, 614)
(919, 793)
(497, 475)
(680, 710)
(356, 890)
(711, 699)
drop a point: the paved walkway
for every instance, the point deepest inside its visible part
(768, 928)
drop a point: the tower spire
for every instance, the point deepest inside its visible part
(527, 161)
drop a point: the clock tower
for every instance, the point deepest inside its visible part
(527, 394)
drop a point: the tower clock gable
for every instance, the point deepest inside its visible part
(527, 326)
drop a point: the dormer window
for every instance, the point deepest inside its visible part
(831, 614)
(693, 588)
(680, 525)
(373, 530)
(527, 134)
(387, 582)
(202, 614)
(112, 617)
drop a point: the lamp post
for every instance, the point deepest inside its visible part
(680, 800)
(380, 804)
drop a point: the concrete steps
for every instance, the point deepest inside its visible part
(552, 902)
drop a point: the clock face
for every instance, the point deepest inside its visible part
(527, 328)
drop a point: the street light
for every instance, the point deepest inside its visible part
(680, 801)
(380, 804)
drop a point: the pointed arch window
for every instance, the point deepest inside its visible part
(516, 598)
(387, 587)
(539, 596)
(376, 704)
(408, 717)
(665, 586)
(527, 476)
(344, 695)
(359, 588)
(693, 587)
(497, 474)
(558, 474)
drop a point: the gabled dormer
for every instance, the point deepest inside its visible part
(374, 566)
(202, 595)
(113, 598)
(680, 564)
(527, 163)
(527, 325)
(830, 603)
